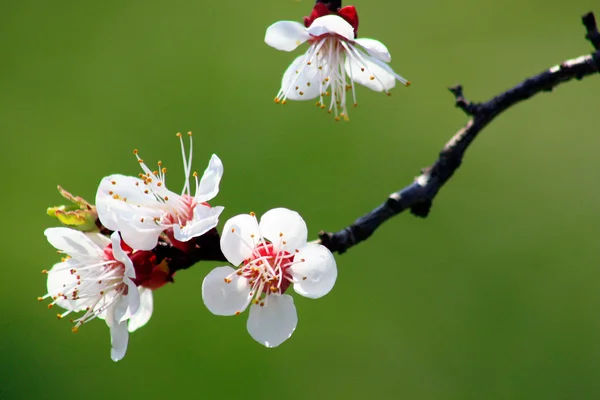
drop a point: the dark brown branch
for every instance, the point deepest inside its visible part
(418, 196)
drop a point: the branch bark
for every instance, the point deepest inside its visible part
(419, 195)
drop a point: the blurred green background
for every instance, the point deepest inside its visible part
(495, 296)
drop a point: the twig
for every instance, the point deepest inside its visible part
(418, 196)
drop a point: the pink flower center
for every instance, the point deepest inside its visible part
(267, 271)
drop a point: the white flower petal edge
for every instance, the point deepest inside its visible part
(375, 49)
(205, 218)
(208, 187)
(74, 243)
(240, 234)
(144, 312)
(301, 81)
(284, 228)
(222, 298)
(331, 24)
(274, 323)
(286, 35)
(119, 338)
(316, 275)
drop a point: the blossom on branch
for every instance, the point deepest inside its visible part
(269, 256)
(143, 208)
(98, 277)
(334, 61)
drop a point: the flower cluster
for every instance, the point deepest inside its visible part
(111, 267)
(139, 233)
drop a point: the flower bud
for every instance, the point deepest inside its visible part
(80, 215)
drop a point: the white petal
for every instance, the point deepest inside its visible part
(300, 77)
(286, 35)
(127, 304)
(120, 255)
(74, 243)
(223, 298)
(140, 235)
(240, 234)
(331, 24)
(384, 78)
(375, 49)
(119, 338)
(205, 218)
(60, 280)
(315, 276)
(282, 225)
(274, 323)
(99, 239)
(144, 312)
(110, 209)
(209, 183)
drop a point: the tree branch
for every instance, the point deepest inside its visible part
(419, 195)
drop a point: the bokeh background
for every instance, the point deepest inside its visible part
(495, 296)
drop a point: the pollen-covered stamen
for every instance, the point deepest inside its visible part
(266, 271)
(93, 288)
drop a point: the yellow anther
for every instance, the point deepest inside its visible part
(159, 183)
(301, 93)
(362, 69)
(40, 298)
(372, 77)
(164, 170)
(232, 230)
(227, 280)
(116, 196)
(297, 87)
(303, 278)
(195, 174)
(302, 259)
(280, 234)
(140, 161)
(50, 305)
(44, 271)
(237, 313)
(75, 329)
(113, 182)
(318, 103)
(337, 119)
(252, 214)
(284, 101)
(178, 134)
(262, 304)
(190, 133)
(307, 83)
(308, 63)
(166, 198)
(407, 84)
(255, 301)
(388, 93)
(59, 316)
(276, 100)
(135, 151)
